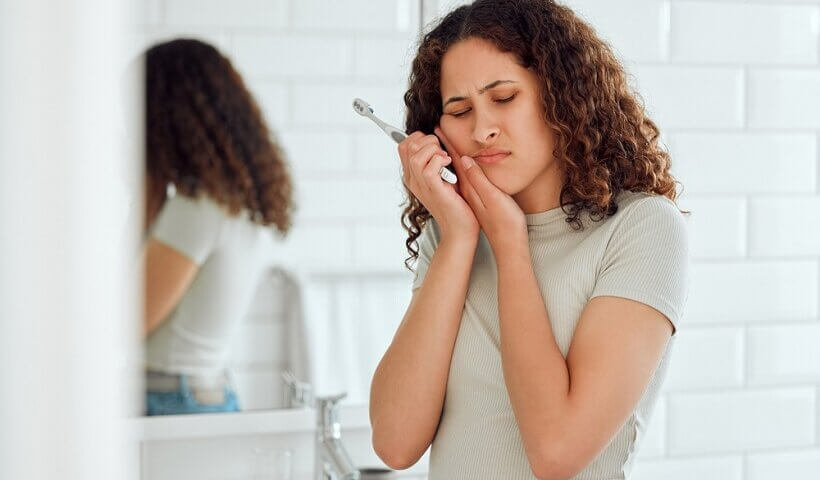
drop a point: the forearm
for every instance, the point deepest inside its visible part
(407, 392)
(168, 274)
(535, 371)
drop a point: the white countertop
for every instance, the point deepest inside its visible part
(165, 427)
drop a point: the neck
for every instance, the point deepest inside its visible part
(544, 193)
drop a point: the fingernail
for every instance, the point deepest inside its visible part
(468, 162)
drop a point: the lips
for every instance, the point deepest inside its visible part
(492, 155)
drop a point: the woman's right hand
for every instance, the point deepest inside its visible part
(422, 158)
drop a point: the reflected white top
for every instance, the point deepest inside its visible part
(230, 252)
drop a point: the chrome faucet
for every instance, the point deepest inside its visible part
(332, 460)
(298, 394)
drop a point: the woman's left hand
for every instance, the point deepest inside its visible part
(501, 219)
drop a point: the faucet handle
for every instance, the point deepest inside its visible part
(298, 394)
(327, 409)
(330, 401)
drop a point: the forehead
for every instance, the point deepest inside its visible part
(473, 63)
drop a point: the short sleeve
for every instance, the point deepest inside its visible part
(190, 226)
(427, 241)
(647, 259)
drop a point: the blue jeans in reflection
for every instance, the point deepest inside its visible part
(183, 401)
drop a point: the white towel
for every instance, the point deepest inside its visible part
(278, 308)
(295, 347)
(350, 322)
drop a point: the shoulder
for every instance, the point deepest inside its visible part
(648, 210)
(647, 223)
(202, 205)
(201, 213)
(645, 202)
(189, 224)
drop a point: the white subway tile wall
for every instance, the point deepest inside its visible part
(740, 421)
(735, 88)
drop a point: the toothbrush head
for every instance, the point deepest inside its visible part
(361, 107)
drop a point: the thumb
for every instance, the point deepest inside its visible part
(480, 183)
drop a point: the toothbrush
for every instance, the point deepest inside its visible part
(364, 109)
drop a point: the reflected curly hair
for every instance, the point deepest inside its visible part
(605, 143)
(205, 134)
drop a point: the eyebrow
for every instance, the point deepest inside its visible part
(480, 90)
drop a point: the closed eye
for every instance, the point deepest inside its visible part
(500, 100)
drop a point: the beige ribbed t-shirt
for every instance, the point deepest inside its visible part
(640, 253)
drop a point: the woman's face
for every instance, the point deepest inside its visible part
(493, 112)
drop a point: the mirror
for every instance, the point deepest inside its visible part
(334, 289)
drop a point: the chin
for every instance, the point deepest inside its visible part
(500, 181)
(506, 181)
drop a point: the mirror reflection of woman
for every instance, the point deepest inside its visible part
(551, 279)
(205, 245)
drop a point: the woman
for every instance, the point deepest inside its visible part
(207, 141)
(551, 278)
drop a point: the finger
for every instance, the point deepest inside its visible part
(421, 142)
(465, 189)
(406, 148)
(416, 135)
(468, 179)
(413, 137)
(460, 173)
(405, 166)
(477, 180)
(419, 160)
(404, 145)
(451, 150)
(430, 174)
(431, 171)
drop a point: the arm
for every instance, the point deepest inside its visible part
(407, 393)
(558, 404)
(168, 274)
(616, 345)
(182, 237)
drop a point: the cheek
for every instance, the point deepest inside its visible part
(530, 120)
(537, 133)
(456, 132)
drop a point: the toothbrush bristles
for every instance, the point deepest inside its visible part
(361, 106)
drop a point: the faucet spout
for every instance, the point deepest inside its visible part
(332, 460)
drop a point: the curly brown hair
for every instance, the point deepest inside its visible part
(205, 134)
(605, 142)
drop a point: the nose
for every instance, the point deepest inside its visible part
(486, 128)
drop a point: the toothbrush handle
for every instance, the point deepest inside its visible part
(447, 174)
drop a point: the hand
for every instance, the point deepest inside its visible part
(422, 158)
(501, 219)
